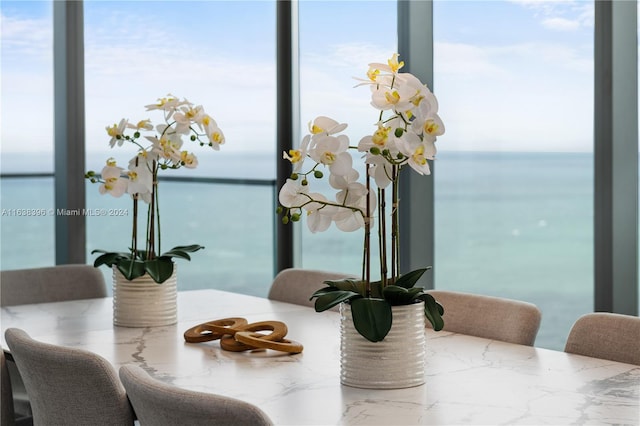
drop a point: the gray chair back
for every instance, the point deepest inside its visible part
(41, 285)
(51, 284)
(296, 285)
(68, 386)
(615, 337)
(496, 318)
(159, 404)
(7, 416)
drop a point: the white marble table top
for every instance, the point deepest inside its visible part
(469, 380)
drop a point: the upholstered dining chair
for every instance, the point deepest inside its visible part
(7, 415)
(51, 284)
(496, 318)
(295, 285)
(41, 285)
(68, 386)
(159, 404)
(615, 337)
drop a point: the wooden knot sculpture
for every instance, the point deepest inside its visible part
(238, 335)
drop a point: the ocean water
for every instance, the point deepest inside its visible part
(516, 225)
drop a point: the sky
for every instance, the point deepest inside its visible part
(509, 75)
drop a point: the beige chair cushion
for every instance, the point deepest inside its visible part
(490, 317)
(297, 285)
(68, 386)
(8, 416)
(51, 284)
(160, 404)
(615, 337)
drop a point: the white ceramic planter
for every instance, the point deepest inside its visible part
(396, 362)
(144, 303)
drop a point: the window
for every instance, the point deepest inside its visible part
(217, 54)
(361, 32)
(27, 135)
(514, 179)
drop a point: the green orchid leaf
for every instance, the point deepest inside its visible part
(347, 284)
(160, 268)
(177, 253)
(130, 268)
(376, 290)
(108, 259)
(396, 295)
(410, 279)
(190, 248)
(322, 291)
(372, 318)
(433, 311)
(141, 254)
(331, 299)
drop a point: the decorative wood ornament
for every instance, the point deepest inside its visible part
(238, 335)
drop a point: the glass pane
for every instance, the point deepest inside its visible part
(27, 228)
(220, 55)
(514, 180)
(27, 222)
(361, 32)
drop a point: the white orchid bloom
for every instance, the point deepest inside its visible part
(145, 156)
(319, 215)
(117, 133)
(293, 194)
(141, 125)
(168, 103)
(297, 156)
(430, 128)
(185, 115)
(380, 139)
(397, 98)
(332, 151)
(392, 66)
(326, 126)
(380, 170)
(417, 152)
(215, 135)
(342, 181)
(140, 179)
(168, 148)
(188, 159)
(113, 184)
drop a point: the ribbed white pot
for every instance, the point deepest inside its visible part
(396, 362)
(142, 302)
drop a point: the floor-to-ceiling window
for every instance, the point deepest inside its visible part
(216, 54)
(26, 225)
(514, 174)
(337, 42)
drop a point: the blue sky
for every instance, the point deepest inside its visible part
(509, 75)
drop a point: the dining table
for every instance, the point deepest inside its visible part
(468, 380)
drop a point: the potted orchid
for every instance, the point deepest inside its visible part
(404, 134)
(159, 148)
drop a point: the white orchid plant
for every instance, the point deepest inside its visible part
(404, 135)
(161, 148)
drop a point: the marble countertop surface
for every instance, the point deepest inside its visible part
(469, 380)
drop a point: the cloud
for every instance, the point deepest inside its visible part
(26, 38)
(561, 24)
(561, 15)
